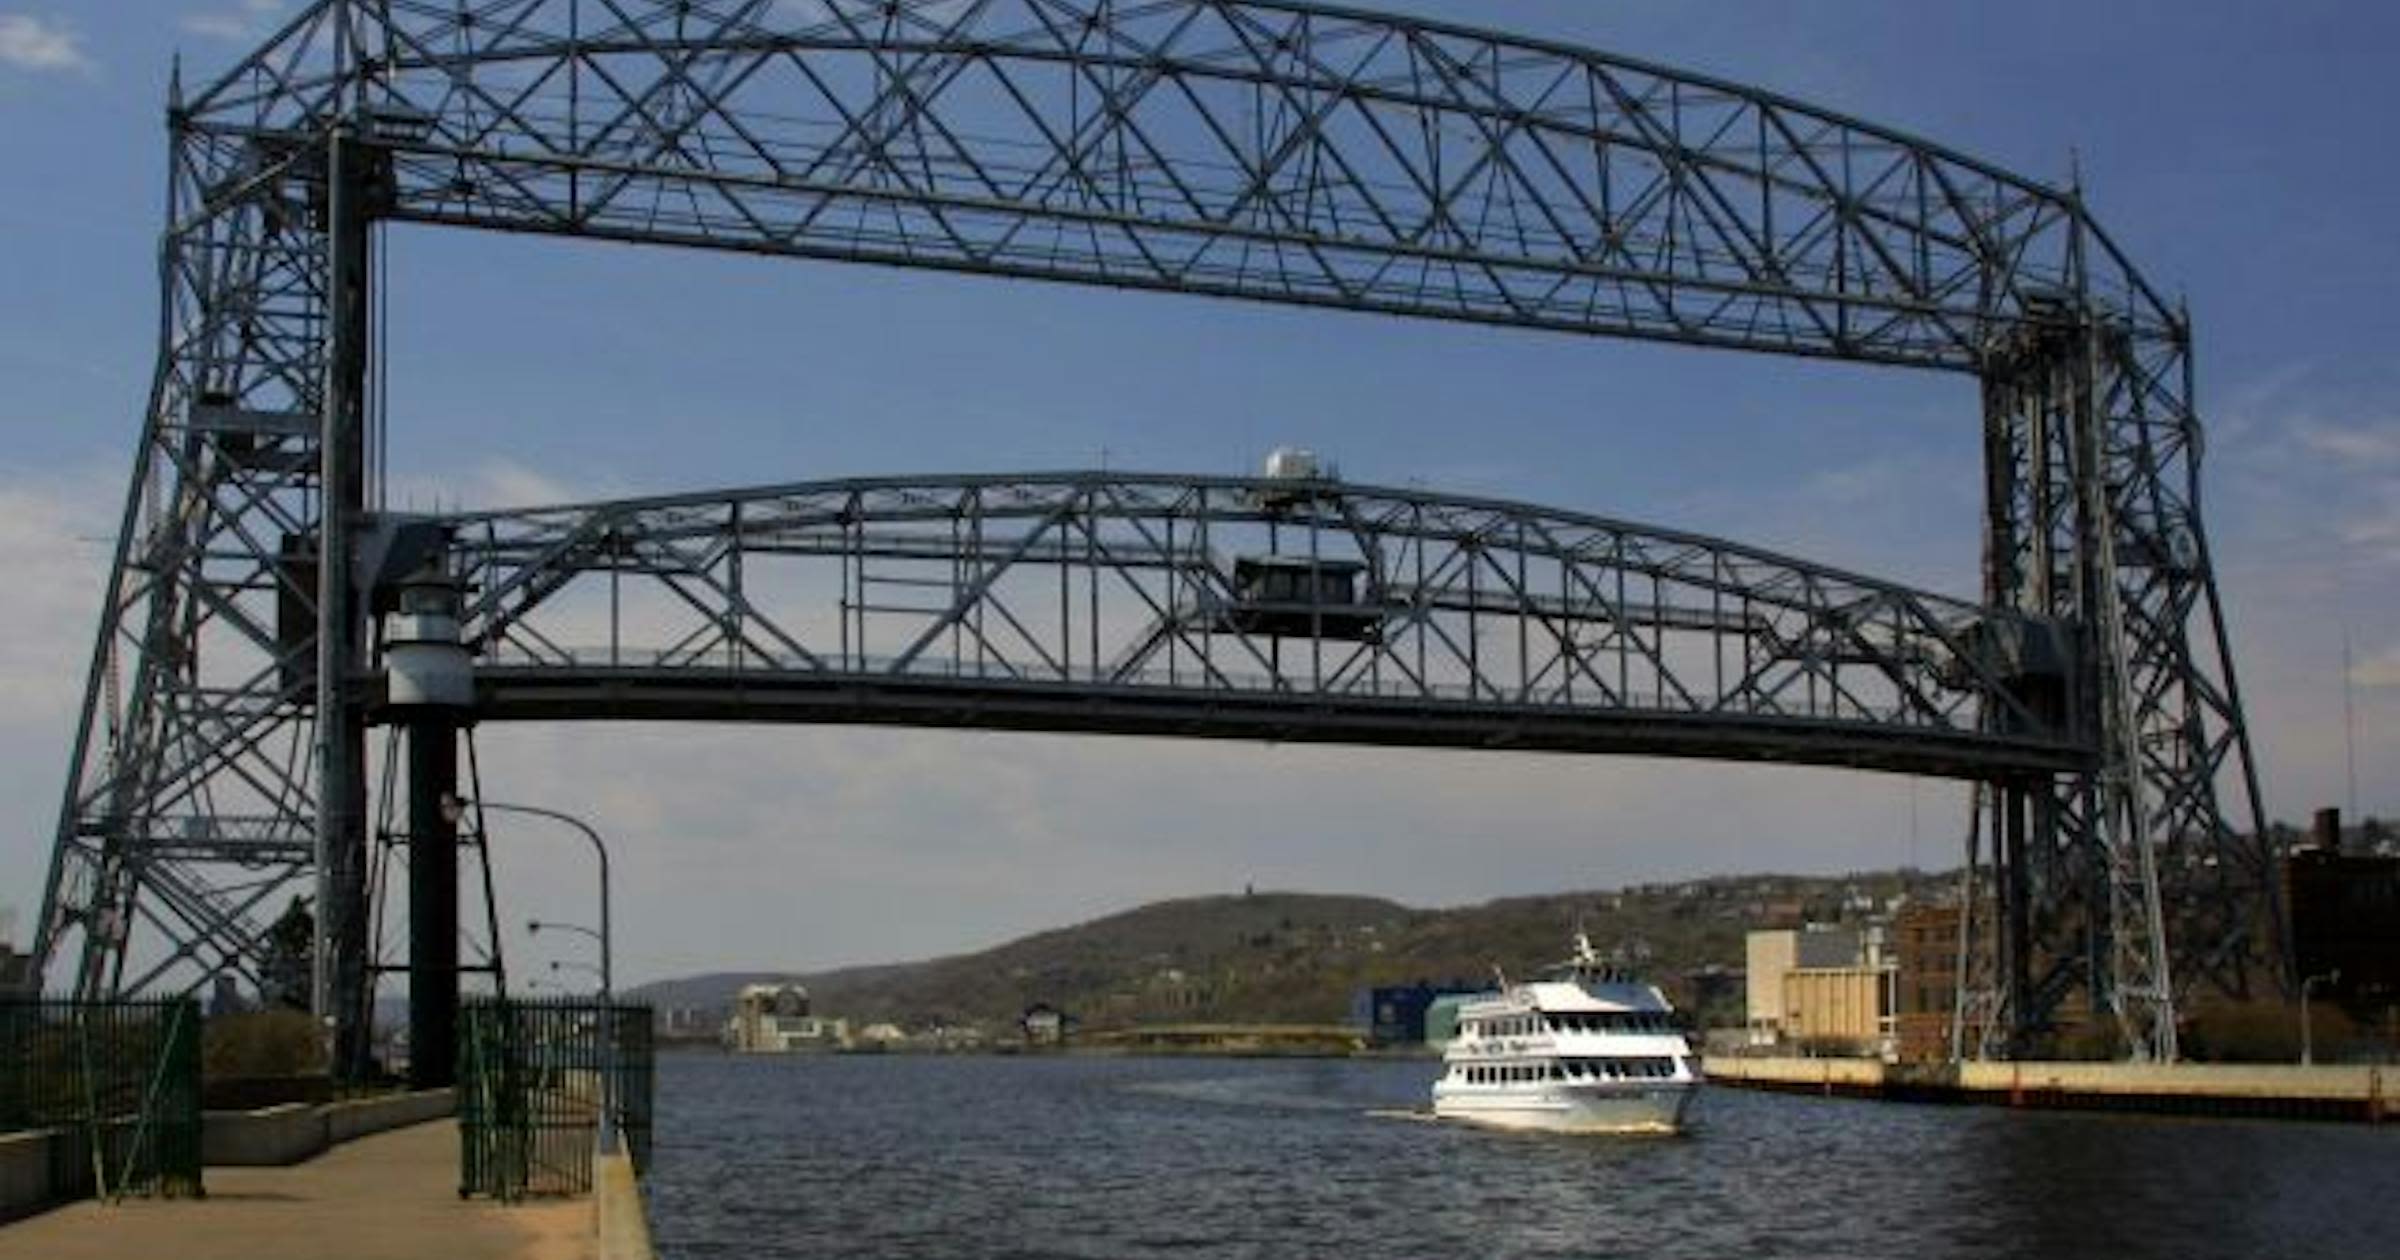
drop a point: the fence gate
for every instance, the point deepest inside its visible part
(533, 1079)
(117, 1082)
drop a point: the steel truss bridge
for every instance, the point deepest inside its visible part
(1261, 150)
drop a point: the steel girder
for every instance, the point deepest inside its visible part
(1115, 602)
(1264, 150)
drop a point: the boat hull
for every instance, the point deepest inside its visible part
(1649, 1108)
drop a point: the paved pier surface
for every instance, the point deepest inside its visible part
(392, 1196)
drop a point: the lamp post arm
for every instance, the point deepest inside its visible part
(608, 986)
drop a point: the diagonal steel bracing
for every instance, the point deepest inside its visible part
(1264, 150)
(1115, 601)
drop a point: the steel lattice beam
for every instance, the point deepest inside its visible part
(1115, 602)
(1263, 150)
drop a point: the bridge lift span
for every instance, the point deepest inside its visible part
(1256, 149)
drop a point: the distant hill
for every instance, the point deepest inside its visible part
(1298, 957)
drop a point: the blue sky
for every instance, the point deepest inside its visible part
(2231, 148)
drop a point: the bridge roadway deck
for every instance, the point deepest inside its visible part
(390, 1196)
(602, 693)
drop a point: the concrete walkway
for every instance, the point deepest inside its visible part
(392, 1196)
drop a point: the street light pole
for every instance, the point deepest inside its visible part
(608, 988)
(2308, 1056)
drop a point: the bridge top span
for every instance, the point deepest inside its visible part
(1261, 149)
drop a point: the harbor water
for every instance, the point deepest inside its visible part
(900, 1156)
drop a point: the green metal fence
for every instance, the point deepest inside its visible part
(118, 1081)
(534, 1077)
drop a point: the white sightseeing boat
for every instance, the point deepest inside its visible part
(1585, 1049)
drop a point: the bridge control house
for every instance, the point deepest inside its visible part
(1300, 597)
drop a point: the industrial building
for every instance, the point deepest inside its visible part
(2344, 908)
(1925, 957)
(1045, 1025)
(1771, 955)
(14, 969)
(1823, 989)
(1396, 1015)
(1838, 1010)
(775, 1019)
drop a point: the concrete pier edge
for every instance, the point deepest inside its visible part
(2361, 1093)
(620, 1217)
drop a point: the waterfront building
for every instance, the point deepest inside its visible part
(1442, 1018)
(1395, 1015)
(1838, 1010)
(2344, 908)
(1045, 1025)
(776, 1019)
(1770, 955)
(1925, 984)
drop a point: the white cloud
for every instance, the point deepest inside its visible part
(2374, 528)
(490, 483)
(246, 20)
(2382, 669)
(2353, 444)
(40, 44)
(54, 540)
